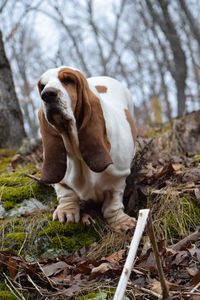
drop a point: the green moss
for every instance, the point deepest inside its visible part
(94, 296)
(153, 132)
(17, 239)
(6, 295)
(104, 294)
(197, 159)
(5, 158)
(43, 235)
(18, 229)
(63, 242)
(15, 187)
(11, 195)
(3, 287)
(58, 228)
(70, 237)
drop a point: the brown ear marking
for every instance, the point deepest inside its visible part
(132, 125)
(54, 153)
(101, 89)
(93, 141)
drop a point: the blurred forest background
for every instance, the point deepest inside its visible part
(153, 46)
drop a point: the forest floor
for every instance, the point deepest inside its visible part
(41, 259)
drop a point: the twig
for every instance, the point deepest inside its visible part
(195, 287)
(12, 288)
(23, 244)
(165, 290)
(35, 178)
(141, 223)
(35, 285)
(148, 291)
(48, 279)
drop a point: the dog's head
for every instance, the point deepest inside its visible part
(71, 122)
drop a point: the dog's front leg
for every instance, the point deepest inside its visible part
(68, 209)
(113, 211)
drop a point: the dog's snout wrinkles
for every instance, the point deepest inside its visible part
(49, 95)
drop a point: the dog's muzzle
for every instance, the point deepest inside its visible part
(49, 95)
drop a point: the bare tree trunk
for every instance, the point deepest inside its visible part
(192, 22)
(179, 70)
(11, 121)
(159, 61)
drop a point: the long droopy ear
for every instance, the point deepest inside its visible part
(54, 153)
(93, 141)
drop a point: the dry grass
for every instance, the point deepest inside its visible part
(174, 215)
(109, 242)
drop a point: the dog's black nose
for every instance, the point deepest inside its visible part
(49, 95)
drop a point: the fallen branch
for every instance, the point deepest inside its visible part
(141, 223)
(147, 291)
(165, 290)
(35, 179)
(187, 240)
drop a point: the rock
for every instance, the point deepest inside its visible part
(26, 207)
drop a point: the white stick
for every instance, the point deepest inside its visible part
(141, 223)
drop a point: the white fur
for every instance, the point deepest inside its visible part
(81, 182)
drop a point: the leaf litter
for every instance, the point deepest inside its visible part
(69, 276)
(153, 176)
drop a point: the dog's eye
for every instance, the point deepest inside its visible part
(42, 86)
(68, 80)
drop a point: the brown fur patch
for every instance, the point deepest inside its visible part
(93, 141)
(101, 89)
(69, 83)
(54, 164)
(132, 125)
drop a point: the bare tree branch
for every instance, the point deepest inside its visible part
(96, 35)
(3, 5)
(193, 23)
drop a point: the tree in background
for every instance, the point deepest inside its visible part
(11, 121)
(151, 46)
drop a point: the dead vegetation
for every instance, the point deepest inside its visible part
(165, 177)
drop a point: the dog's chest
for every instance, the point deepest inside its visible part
(87, 184)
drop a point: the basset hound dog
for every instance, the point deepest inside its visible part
(88, 137)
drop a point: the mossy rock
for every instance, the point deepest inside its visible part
(15, 187)
(17, 237)
(5, 157)
(66, 238)
(38, 236)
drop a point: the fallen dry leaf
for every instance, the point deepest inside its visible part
(116, 255)
(55, 268)
(192, 271)
(156, 287)
(102, 268)
(196, 279)
(177, 167)
(13, 266)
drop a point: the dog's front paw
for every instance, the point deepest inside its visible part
(68, 213)
(123, 224)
